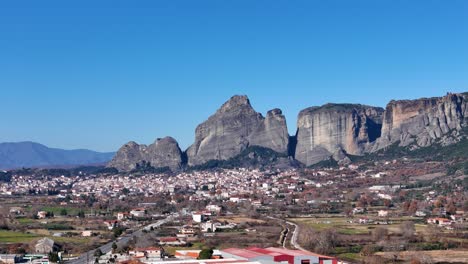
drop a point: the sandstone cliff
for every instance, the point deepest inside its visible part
(336, 129)
(424, 121)
(163, 152)
(234, 127)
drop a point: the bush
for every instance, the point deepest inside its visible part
(205, 254)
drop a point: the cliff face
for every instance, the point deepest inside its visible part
(272, 132)
(234, 127)
(126, 157)
(423, 121)
(333, 129)
(163, 152)
(329, 130)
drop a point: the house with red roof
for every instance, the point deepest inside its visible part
(171, 241)
(439, 221)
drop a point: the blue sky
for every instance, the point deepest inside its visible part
(96, 74)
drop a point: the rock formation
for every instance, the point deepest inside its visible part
(164, 152)
(335, 129)
(424, 121)
(331, 130)
(272, 132)
(234, 127)
(126, 157)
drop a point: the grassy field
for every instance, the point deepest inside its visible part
(455, 256)
(350, 256)
(57, 210)
(239, 219)
(339, 224)
(15, 237)
(25, 220)
(195, 246)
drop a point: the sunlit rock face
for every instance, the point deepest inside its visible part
(424, 121)
(164, 152)
(335, 129)
(234, 127)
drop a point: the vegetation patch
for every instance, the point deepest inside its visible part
(15, 237)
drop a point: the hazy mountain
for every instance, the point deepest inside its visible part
(31, 154)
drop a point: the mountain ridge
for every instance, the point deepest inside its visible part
(15, 155)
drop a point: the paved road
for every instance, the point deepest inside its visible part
(294, 236)
(88, 257)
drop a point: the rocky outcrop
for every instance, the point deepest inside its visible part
(164, 152)
(424, 121)
(234, 127)
(336, 129)
(331, 130)
(272, 132)
(126, 157)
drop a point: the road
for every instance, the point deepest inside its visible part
(88, 257)
(294, 236)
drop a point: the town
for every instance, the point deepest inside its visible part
(365, 211)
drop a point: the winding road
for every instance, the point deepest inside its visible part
(88, 257)
(286, 232)
(294, 236)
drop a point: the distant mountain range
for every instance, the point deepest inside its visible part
(30, 154)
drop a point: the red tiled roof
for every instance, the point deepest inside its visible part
(263, 251)
(243, 253)
(168, 239)
(297, 252)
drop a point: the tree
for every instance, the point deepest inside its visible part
(205, 253)
(63, 212)
(368, 250)
(118, 231)
(407, 229)
(387, 203)
(421, 258)
(413, 207)
(326, 241)
(379, 234)
(53, 257)
(114, 247)
(81, 214)
(98, 253)
(451, 208)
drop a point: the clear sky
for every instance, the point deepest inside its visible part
(96, 74)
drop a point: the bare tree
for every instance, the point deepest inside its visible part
(421, 258)
(379, 233)
(4, 214)
(326, 241)
(307, 236)
(407, 230)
